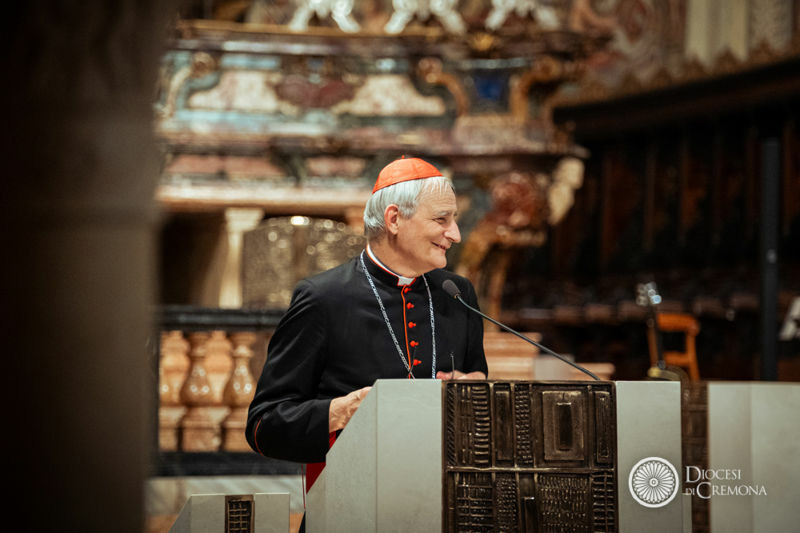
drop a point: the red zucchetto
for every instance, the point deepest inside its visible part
(404, 169)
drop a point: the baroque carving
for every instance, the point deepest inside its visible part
(567, 178)
(406, 10)
(201, 65)
(546, 71)
(768, 44)
(301, 91)
(390, 95)
(339, 10)
(546, 16)
(430, 69)
(524, 204)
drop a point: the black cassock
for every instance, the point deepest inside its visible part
(333, 340)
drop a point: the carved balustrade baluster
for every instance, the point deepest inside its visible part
(172, 368)
(199, 430)
(218, 363)
(238, 392)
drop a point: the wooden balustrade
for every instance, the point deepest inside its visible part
(205, 388)
(205, 380)
(206, 383)
(172, 369)
(238, 392)
(198, 431)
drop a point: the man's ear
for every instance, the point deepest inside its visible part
(391, 218)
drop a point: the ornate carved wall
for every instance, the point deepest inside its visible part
(296, 114)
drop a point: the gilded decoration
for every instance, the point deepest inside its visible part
(283, 250)
(524, 206)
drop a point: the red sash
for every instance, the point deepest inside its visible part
(313, 470)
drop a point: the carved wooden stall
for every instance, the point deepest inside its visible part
(677, 195)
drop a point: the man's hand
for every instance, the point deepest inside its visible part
(343, 408)
(459, 375)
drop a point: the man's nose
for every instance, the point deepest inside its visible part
(452, 233)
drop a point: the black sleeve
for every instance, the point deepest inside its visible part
(286, 419)
(476, 358)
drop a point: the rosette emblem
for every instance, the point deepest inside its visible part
(653, 482)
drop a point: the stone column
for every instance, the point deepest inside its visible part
(238, 220)
(77, 215)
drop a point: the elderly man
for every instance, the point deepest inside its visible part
(383, 314)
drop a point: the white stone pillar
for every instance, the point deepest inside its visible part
(238, 221)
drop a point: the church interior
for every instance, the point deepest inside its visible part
(627, 174)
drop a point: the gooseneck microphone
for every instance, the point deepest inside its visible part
(451, 289)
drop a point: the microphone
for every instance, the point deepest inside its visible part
(451, 289)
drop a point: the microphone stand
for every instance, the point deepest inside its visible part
(523, 337)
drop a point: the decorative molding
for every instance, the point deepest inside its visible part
(430, 69)
(296, 200)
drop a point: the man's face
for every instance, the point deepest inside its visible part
(423, 238)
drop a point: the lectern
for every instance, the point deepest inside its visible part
(427, 455)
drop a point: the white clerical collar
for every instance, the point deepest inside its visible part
(401, 280)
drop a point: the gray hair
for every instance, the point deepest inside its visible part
(405, 195)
